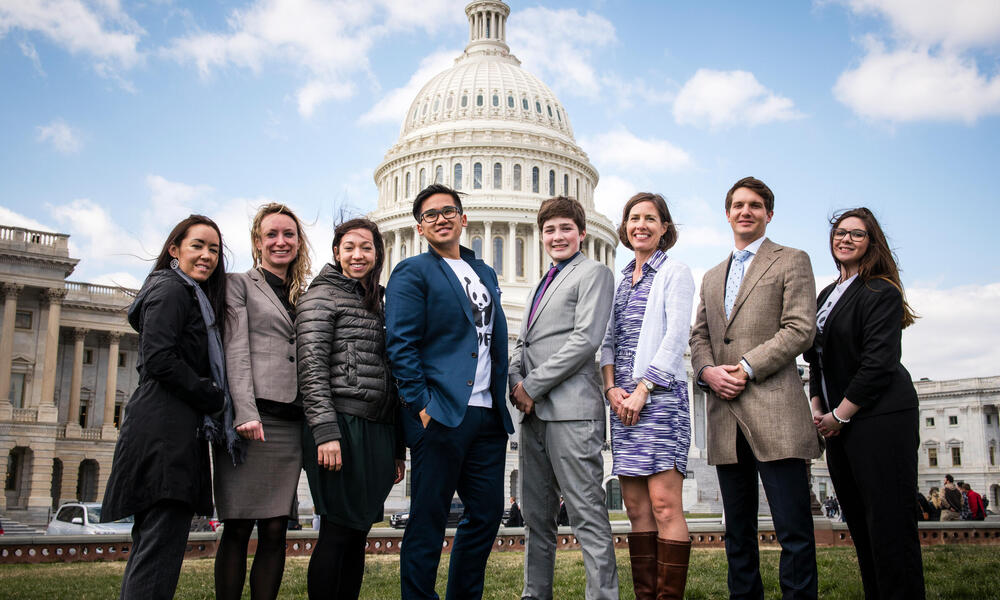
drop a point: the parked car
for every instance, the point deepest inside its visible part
(399, 519)
(204, 524)
(77, 518)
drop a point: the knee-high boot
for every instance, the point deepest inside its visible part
(642, 556)
(672, 561)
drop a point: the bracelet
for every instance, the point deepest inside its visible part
(838, 419)
(608, 389)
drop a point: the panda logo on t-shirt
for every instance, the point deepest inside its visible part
(482, 303)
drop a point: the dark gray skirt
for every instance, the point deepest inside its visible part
(263, 486)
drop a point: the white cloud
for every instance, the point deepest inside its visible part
(915, 84)
(957, 333)
(117, 279)
(611, 194)
(328, 41)
(95, 235)
(953, 24)
(14, 219)
(622, 149)
(29, 51)
(392, 106)
(557, 45)
(720, 99)
(63, 138)
(628, 93)
(100, 30)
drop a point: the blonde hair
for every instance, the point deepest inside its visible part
(301, 267)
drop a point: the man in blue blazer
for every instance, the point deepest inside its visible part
(446, 336)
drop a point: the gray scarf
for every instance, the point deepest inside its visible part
(219, 433)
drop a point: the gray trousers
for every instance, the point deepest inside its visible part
(159, 538)
(565, 457)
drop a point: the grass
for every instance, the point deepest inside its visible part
(949, 571)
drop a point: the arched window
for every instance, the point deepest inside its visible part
(559, 115)
(613, 495)
(457, 180)
(465, 101)
(498, 255)
(437, 104)
(439, 174)
(510, 101)
(497, 175)
(423, 113)
(534, 180)
(450, 102)
(519, 257)
(565, 185)
(538, 107)
(477, 246)
(477, 176)
(577, 188)
(548, 106)
(407, 189)
(479, 100)
(552, 183)
(395, 188)
(517, 178)
(524, 104)
(496, 100)
(423, 179)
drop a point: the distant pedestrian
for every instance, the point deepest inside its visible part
(934, 501)
(951, 508)
(977, 512)
(514, 518)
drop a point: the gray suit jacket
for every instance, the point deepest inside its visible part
(555, 357)
(773, 321)
(259, 344)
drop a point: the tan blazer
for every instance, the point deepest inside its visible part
(772, 322)
(259, 344)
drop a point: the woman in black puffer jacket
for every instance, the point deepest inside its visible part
(352, 449)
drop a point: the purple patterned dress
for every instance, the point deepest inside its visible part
(661, 439)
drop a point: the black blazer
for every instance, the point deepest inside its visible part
(861, 345)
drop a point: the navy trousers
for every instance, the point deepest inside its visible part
(786, 485)
(159, 538)
(468, 459)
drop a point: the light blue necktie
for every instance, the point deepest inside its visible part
(735, 278)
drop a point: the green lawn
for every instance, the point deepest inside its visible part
(950, 572)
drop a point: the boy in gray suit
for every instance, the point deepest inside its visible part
(555, 383)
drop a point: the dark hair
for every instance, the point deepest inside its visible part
(372, 298)
(668, 239)
(563, 206)
(879, 261)
(215, 285)
(949, 478)
(427, 192)
(755, 185)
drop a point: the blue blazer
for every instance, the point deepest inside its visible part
(432, 342)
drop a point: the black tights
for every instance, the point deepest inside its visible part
(268, 561)
(337, 565)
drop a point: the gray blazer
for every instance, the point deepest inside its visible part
(555, 358)
(773, 321)
(260, 345)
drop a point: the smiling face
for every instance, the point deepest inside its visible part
(443, 233)
(277, 242)
(198, 253)
(847, 251)
(356, 253)
(644, 228)
(748, 215)
(561, 238)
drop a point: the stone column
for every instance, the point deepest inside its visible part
(415, 244)
(464, 240)
(72, 418)
(10, 292)
(40, 496)
(47, 412)
(397, 243)
(108, 429)
(536, 255)
(511, 252)
(488, 243)
(590, 247)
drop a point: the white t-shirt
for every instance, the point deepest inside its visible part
(483, 313)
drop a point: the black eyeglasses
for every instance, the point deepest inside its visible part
(856, 234)
(448, 212)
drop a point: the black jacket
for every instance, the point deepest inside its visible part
(861, 349)
(341, 356)
(159, 454)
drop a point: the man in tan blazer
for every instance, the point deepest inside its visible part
(757, 314)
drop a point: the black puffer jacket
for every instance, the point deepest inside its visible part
(341, 356)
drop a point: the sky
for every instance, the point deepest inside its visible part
(118, 118)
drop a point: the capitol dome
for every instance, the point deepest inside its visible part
(496, 133)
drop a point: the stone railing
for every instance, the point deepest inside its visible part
(92, 433)
(105, 291)
(25, 415)
(30, 238)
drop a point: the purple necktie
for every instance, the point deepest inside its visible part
(538, 300)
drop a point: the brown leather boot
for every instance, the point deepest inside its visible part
(672, 561)
(642, 555)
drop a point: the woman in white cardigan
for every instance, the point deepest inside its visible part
(645, 383)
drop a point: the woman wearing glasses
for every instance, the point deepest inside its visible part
(352, 450)
(864, 403)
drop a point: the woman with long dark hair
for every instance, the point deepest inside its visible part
(645, 383)
(260, 356)
(352, 449)
(864, 403)
(161, 470)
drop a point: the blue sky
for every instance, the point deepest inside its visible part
(118, 118)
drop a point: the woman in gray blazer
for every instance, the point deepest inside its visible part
(261, 367)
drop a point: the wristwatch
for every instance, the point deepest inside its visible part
(650, 386)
